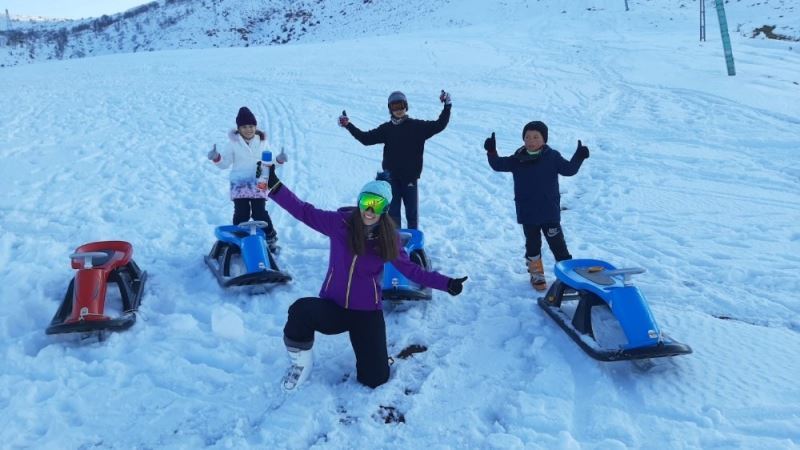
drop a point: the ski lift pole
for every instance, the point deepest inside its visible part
(702, 20)
(726, 39)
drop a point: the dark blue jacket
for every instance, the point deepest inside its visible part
(536, 193)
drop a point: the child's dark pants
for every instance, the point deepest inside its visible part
(244, 207)
(555, 240)
(405, 191)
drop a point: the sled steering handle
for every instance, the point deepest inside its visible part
(253, 224)
(626, 273)
(87, 257)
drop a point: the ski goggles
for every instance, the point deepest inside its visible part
(368, 200)
(397, 106)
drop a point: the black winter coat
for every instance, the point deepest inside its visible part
(404, 143)
(536, 193)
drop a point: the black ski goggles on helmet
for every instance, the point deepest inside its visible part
(397, 106)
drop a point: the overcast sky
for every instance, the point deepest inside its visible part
(67, 9)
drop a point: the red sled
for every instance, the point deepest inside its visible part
(83, 308)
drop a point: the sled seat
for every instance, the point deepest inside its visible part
(236, 234)
(103, 255)
(594, 275)
(411, 239)
(95, 262)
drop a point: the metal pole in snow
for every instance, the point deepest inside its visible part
(726, 39)
(702, 20)
(626, 5)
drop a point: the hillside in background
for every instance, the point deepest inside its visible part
(192, 24)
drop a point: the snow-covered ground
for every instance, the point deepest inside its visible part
(693, 175)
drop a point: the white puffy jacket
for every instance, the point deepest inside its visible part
(242, 156)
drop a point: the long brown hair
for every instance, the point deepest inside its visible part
(386, 237)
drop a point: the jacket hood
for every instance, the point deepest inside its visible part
(233, 135)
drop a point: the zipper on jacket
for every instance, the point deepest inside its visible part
(330, 277)
(349, 282)
(375, 287)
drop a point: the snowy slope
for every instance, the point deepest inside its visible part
(693, 175)
(175, 24)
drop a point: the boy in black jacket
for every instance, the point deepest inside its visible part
(403, 140)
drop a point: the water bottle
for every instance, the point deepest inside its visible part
(263, 170)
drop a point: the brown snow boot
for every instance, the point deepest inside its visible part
(536, 269)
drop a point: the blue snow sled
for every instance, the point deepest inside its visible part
(240, 256)
(597, 285)
(398, 288)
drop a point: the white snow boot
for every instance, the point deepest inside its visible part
(302, 362)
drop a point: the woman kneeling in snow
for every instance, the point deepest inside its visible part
(362, 240)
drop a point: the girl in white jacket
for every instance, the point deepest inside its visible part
(241, 155)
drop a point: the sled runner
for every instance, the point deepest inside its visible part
(240, 256)
(83, 307)
(599, 289)
(396, 287)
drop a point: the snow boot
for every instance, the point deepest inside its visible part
(536, 269)
(272, 242)
(302, 362)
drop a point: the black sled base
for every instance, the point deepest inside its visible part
(220, 261)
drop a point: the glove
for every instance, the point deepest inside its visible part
(384, 176)
(343, 119)
(281, 158)
(261, 184)
(582, 151)
(490, 144)
(444, 97)
(456, 285)
(273, 183)
(213, 155)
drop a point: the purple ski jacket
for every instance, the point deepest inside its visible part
(352, 281)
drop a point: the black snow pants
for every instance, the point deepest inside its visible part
(405, 192)
(555, 240)
(367, 331)
(243, 208)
